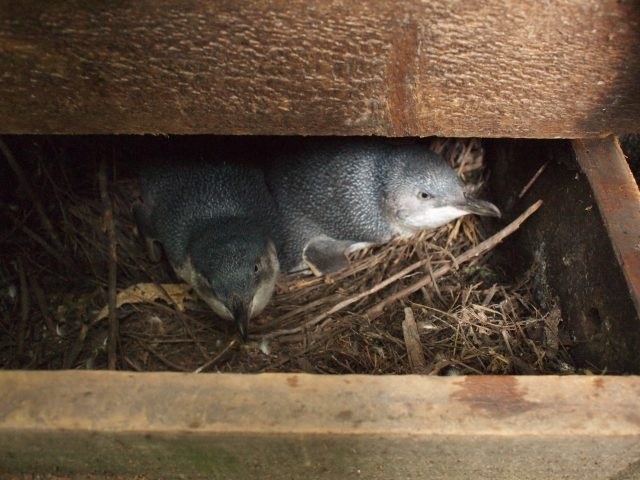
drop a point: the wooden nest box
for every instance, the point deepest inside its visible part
(556, 70)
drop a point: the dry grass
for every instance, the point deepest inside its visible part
(470, 321)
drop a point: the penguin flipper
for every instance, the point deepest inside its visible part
(325, 255)
(142, 217)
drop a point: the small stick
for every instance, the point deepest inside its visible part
(183, 318)
(215, 359)
(163, 359)
(20, 225)
(479, 249)
(42, 305)
(532, 181)
(490, 295)
(437, 367)
(282, 319)
(412, 342)
(377, 309)
(111, 235)
(350, 300)
(34, 199)
(45, 246)
(24, 307)
(132, 364)
(72, 354)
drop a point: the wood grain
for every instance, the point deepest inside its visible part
(618, 199)
(568, 242)
(567, 68)
(274, 426)
(412, 343)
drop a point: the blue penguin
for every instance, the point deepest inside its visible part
(214, 221)
(338, 195)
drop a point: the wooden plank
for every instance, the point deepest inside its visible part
(568, 241)
(296, 426)
(618, 199)
(568, 68)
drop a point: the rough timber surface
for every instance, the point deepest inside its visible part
(465, 68)
(576, 262)
(618, 199)
(305, 426)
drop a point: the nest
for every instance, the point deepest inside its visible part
(423, 305)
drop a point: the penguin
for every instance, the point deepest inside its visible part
(335, 196)
(214, 220)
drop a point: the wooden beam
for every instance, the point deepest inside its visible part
(297, 426)
(568, 241)
(618, 199)
(499, 68)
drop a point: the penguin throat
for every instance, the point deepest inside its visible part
(429, 218)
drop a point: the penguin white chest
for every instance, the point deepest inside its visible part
(187, 273)
(428, 219)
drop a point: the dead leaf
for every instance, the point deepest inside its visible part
(172, 293)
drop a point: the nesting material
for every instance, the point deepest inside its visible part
(424, 305)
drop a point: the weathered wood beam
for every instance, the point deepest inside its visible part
(305, 426)
(568, 68)
(618, 198)
(568, 241)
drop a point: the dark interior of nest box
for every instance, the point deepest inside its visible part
(562, 251)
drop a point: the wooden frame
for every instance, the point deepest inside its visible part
(294, 426)
(568, 69)
(564, 69)
(291, 425)
(618, 198)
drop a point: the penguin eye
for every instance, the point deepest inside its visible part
(256, 268)
(424, 195)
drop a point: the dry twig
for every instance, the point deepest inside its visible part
(113, 262)
(470, 321)
(42, 305)
(34, 198)
(24, 307)
(530, 183)
(376, 310)
(217, 358)
(479, 249)
(412, 342)
(345, 303)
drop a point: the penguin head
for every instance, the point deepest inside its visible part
(424, 192)
(234, 271)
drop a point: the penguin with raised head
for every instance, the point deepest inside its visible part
(335, 196)
(214, 220)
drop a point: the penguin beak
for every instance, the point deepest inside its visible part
(481, 207)
(241, 316)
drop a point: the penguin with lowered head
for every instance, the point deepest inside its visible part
(214, 220)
